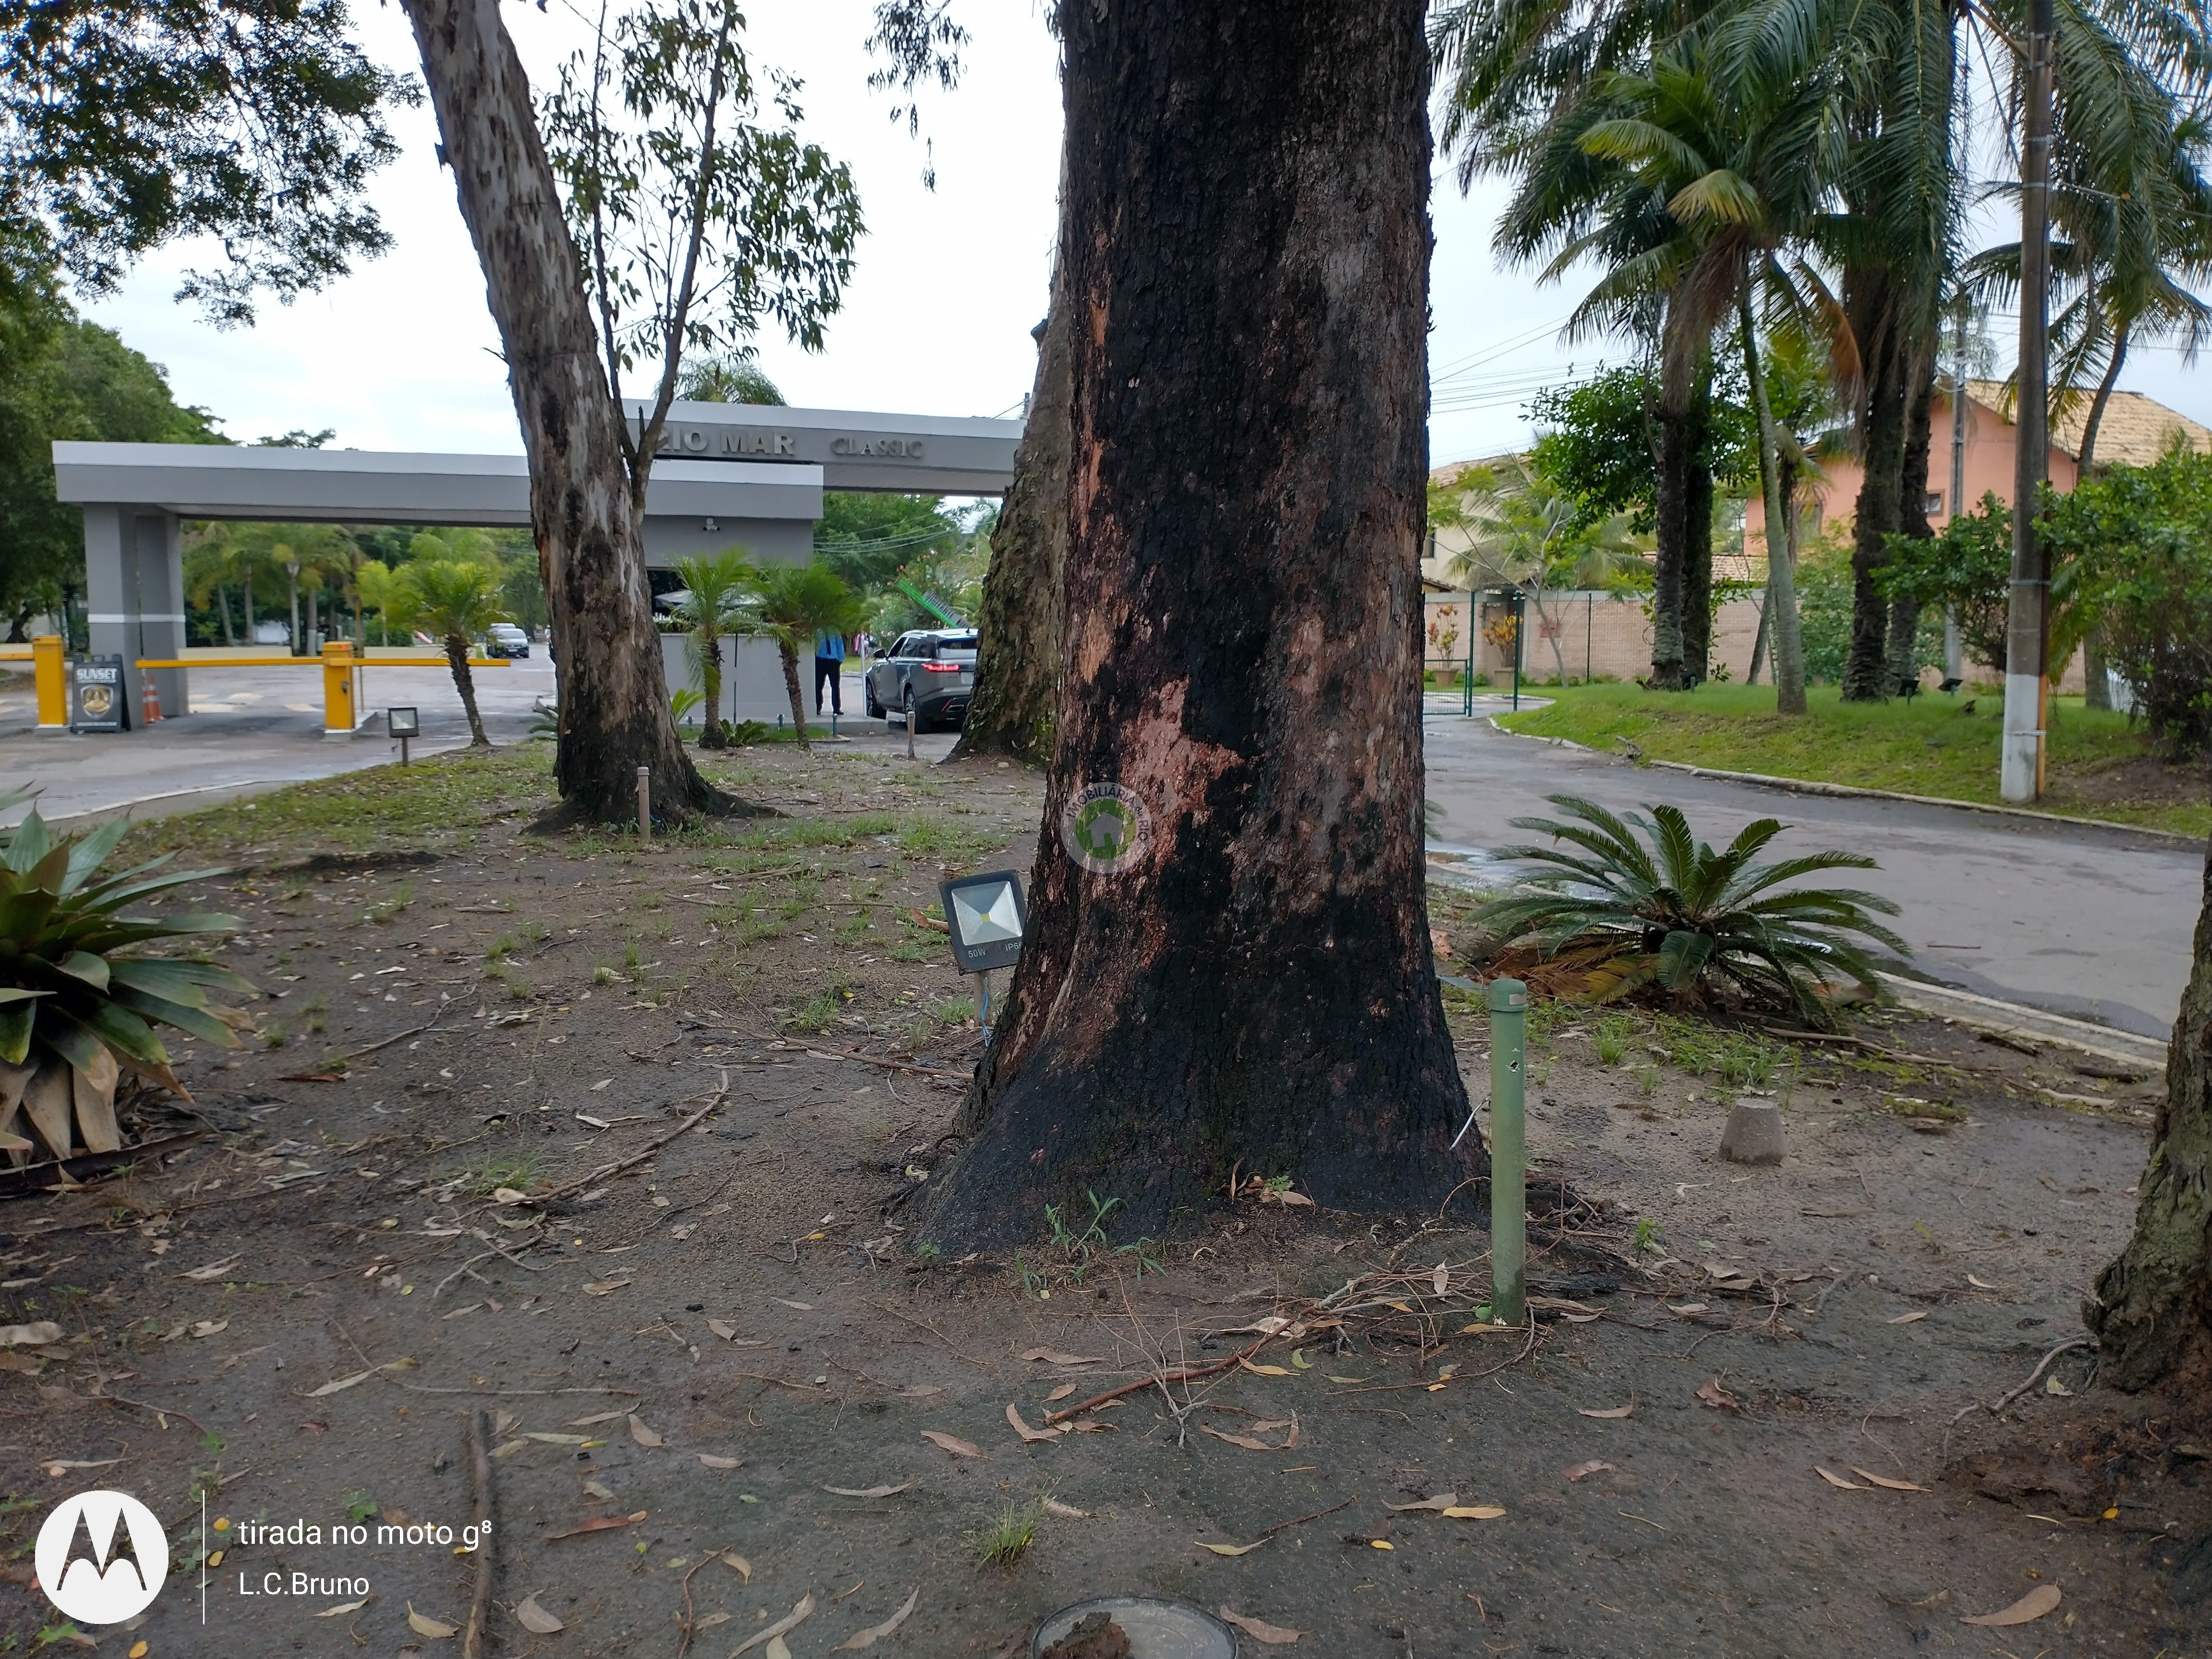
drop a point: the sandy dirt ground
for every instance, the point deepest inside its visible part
(627, 1159)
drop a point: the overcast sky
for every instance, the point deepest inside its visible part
(402, 355)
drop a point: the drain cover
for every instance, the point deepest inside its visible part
(1157, 1629)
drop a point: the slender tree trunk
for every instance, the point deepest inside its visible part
(615, 715)
(2152, 1313)
(1017, 662)
(457, 658)
(307, 644)
(1249, 980)
(789, 652)
(222, 609)
(1757, 640)
(716, 735)
(1698, 538)
(246, 588)
(2096, 683)
(1881, 431)
(292, 591)
(1781, 585)
(1912, 519)
(1672, 534)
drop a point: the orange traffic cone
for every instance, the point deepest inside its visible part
(151, 703)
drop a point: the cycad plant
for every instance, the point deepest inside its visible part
(797, 602)
(1701, 925)
(78, 1004)
(716, 586)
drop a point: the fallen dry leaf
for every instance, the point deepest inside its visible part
(1265, 1371)
(593, 1489)
(868, 1492)
(738, 1564)
(1618, 1410)
(955, 1444)
(607, 1287)
(213, 1270)
(1243, 1440)
(1836, 1480)
(721, 1329)
(643, 1435)
(2033, 1606)
(1718, 1397)
(210, 1327)
(1438, 1505)
(58, 1467)
(1014, 1418)
(776, 1649)
(1687, 1308)
(803, 1307)
(1464, 1512)
(1979, 1283)
(1059, 1392)
(575, 1422)
(1441, 1278)
(563, 1440)
(1884, 1481)
(535, 1619)
(711, 1621)
(875, 1633)
(1054, 1357)
(791, 1621)
(431, 1627)
(1259, 1629)
(1908, 1319)
(598, 1523)
(1066, 1511)
(1580, 1471)
(1229, 1549)
(710, 1461)
(342, 1609)
(1089, 1425)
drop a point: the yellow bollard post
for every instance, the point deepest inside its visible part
(50, 675)
(337, 689)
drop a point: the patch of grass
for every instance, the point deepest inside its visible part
(1744, 1059)
(495, 1172)
(1927, 746)
(314, 1010)
(1647, 1080)
(822, 1010)
(272, 1035)
(1614, 1033)
(1008, 1536)
(956, 1010)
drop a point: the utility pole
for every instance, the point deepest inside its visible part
(2027, 632)
(1954, 656)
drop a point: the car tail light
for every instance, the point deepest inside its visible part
(940, 668)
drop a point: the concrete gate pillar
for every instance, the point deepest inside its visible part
(135, 591)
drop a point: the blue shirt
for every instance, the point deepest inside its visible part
(829, 646)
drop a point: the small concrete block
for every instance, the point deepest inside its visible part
(1753, 1134)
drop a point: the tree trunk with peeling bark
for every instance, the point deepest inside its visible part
(1249, 982)
(615, 715)
(1912, 518)
(1012, 711)
(2152, 1314)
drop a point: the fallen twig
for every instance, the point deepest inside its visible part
(684, 1624)
(2041, 1366)
(567, 1189)
(71, 1171)
(891, 1065)
(1159, 1380)
(396, 1036)
(158, 1411)
(480, 1474)
(1285, 1525)
(923, 1324)
(384, 1375)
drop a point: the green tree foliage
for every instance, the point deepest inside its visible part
(867, 539)
(2133, 550)
(1599, 441)
(797, 602)
(727, 377)
(253, 124)
(716, 587)
(456, 599)
(1967, 566)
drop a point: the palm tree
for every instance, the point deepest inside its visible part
(717, 585)
(734, 377)
(456, 600)
(797, 602)
(384, 591)
(213, 561)
(1522, 529)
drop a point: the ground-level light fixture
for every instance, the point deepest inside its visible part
(403, 724)
(985, 917)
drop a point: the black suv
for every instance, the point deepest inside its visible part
(925, 678)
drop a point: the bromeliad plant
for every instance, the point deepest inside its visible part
(78, 1005)
(1610, 918)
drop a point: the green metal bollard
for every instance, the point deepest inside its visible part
(1509, 1152)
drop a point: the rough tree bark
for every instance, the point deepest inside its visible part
(1670, 529)
(1018, 663)
(1248, 260)
(1698, 573)
(615, 716)
(1866, 668)
(2152, 1313)
(1912, 519)
(2096, 683)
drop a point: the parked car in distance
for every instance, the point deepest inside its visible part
(925, 677)
(506, 640)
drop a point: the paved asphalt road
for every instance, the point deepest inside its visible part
(2092, 922)
(2076, 920)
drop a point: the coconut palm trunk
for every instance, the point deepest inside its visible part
(789, 653)
(457, 658)
(1781, 585)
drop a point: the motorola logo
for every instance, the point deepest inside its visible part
(101, 1557)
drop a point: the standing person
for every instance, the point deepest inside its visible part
(864, 645)
(829, 665)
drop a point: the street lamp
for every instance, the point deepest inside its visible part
(986, 918)
(403, 724)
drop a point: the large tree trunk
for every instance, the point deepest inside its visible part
(1881, 436)
(1251, 982)
(1018, 665)
(1697, 537)
(1903, 655)
(615, 715)
(1671, 538)
(2152, 1313)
